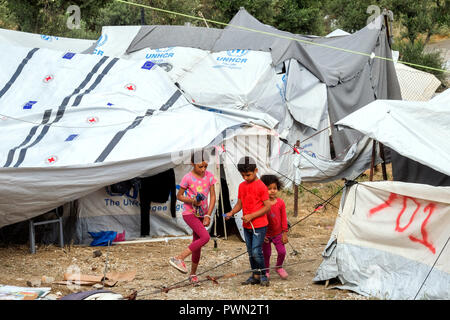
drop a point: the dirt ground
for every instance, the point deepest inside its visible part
(307, 239)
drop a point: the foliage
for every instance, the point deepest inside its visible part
(7, 19)
(50, 17)
(421, 17)
(351, 17)
(299, 17)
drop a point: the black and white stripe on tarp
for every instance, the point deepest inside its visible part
(135, 123)
(27, 143)
(18, 72)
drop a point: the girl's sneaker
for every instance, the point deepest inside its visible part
(283, 274)
(178, 264)
(193, 279)
(268, 275)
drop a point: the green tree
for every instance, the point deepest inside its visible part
(424, 17)
(351, 16)
(50, 17)
(305, 17)
(7, 19)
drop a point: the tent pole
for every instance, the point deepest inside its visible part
(295, 200)
(223, 211)
(216, 212)
(220, 166)
(383, 164)
(372, 162)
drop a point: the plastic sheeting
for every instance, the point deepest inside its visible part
(73, 123)
(353, 78)
(417, 130)
(244, 83)
(416, 85)
(390, 241)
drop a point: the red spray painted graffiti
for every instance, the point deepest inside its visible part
(430, 208)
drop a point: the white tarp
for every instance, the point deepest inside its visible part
(415, 129)
(306, 96)
(390, 241)
(416, 85)
(32, 40)
(73, 123)
(115, 40)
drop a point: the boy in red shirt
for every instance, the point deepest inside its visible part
(253, 199)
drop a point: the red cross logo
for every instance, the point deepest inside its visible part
(48, 78)
(52, 159)
(130, 87)
(92, 120)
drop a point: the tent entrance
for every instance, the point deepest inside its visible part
(223, 228)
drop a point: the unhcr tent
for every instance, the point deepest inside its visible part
(304, 86)
(75, 123)
(391, 238)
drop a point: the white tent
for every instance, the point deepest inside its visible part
(390, 241)
(416, 129)
(75, 123)
(416, 85)
(391, 238)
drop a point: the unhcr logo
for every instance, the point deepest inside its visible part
(233, 58)
(100, 42)
(237, 53)
(48, 38)
(161, 53)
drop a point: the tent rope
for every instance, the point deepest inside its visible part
(215, 278)
(426, 278)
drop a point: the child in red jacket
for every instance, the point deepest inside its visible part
(277, 228)
(253, 200)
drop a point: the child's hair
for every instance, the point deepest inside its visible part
(268, 179)
(246, 164)
(199, 156)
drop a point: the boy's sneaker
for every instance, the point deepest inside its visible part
(251, 280)
(178, 264)
(283, 274)
(264, 281)
(193, 279)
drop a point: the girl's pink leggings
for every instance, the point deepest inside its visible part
(279, 246)
(200, 236)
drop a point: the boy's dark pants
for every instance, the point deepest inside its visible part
(254, 248)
